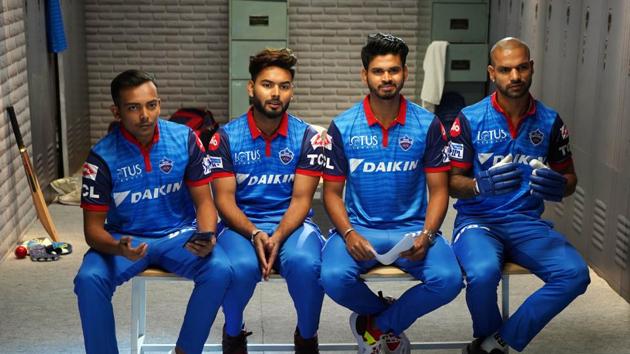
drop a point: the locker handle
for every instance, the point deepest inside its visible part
(460, 65)
(459, 23)
(259, 20)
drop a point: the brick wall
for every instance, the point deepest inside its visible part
(186, 46)
(16, 208)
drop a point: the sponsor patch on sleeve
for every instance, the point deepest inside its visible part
(321, 139)
(455, 128)
(456, 151)
(214, 142)
(216, 162)
(90, 171)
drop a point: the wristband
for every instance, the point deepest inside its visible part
(430, 235)
(346, 233)
(254, 233)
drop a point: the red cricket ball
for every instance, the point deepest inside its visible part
(20, 252)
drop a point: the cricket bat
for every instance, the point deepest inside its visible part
(36, 192)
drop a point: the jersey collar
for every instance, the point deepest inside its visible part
(513, 129)
(371, 118)
(132, 139)
(253, 129)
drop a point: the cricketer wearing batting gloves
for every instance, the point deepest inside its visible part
(509, 154)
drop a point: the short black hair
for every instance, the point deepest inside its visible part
(382, 44)
(282, 58)
(127, 79)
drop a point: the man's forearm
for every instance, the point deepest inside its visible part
(236, 219)
(292, 219)
(337, 212)
(436, 211)
(461, 187)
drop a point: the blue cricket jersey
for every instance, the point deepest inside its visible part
(384, 169)
(142, 189)
(482, 135)
(265, 167)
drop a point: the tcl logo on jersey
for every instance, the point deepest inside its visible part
(364, 142)
(90, 171)
(565, 149)
(214, 142)
(264, 179)
(456, 128)
(147, 194)
(128, 172)
(388, 166)
(89, 192)
(321, 140)
(491, 136)
(319, 159)
(246, 157)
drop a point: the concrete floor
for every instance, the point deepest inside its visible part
(39, 313)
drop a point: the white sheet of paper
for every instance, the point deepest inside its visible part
(404, 244)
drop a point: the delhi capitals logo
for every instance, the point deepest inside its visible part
(536, 137)
(286, 156)
(405, 143)
(166, 165)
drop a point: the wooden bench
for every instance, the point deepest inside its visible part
(380, 273)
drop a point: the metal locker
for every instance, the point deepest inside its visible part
(513, 25)
(460, 23)
(466, 62)
(533, 34)
(587, 86)
(606, 142)
(254, 25)
(498, 20)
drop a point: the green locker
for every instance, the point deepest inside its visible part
(254, 25)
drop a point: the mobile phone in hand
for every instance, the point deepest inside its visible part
(202, 236)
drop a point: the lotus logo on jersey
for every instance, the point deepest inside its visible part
(405, 143)
(382, 166)
(129, 172)
(166, 165)
(364, 142)
(246, 157)
(147, 194)
(536, 137)
(491, 136)
(286, 156)
(90, 171)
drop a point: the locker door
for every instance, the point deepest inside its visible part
(587, 85)
(498, 20)
(606, 144)
(513, 27)
(533, 34)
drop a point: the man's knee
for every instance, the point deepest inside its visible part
(483, 274)
(303, 263)
(575, 278)
(89, 281)
(336, 280)
(447, 282)
(217, 271)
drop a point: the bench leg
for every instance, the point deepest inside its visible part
(505, 299)
(138, 314)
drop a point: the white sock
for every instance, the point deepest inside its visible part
(493, 342)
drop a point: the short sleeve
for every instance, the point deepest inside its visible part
(559, 155)
(96, 189)
(198, 169)
(312, 153)
(220, 156)
(435, 157)
(335, 164)
(460, 149)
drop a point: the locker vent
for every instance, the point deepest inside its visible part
(622, 245)
(578, 210)
(599, 224)
(559, 209)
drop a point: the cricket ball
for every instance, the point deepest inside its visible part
(20, 252)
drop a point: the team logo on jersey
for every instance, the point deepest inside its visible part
(564, 132)
(405, 143)
(216, 162)
(166, 165)
(536, 137)
(286, 156)
(456, 151)
(90, 171)
(214, 142)
(321, 140)
(456, 128)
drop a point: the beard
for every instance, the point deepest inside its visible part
(269, 113)
(515, 93)
(386, 95)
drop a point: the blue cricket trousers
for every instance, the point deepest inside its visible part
(482, 248)
(100, 274)
(299, 263)
(439, 272)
